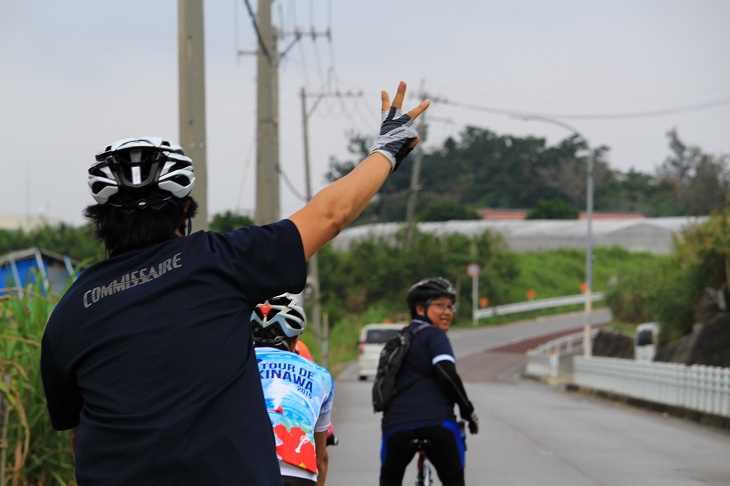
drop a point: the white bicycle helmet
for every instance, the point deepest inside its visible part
(140, 167)
(278, 319)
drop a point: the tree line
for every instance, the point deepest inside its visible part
(482, 169)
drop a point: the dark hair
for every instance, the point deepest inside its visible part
(125, 229)
(270, 338)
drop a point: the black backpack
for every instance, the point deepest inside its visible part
(391, 358)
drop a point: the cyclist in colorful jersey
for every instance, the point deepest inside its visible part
(298, 392)
(145, 357)
(428, 387)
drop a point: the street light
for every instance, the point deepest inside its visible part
(587, 344)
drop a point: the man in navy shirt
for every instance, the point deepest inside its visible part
(428, 387)
(148, 357)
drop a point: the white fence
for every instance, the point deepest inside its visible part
(701, 388)
(530, 305)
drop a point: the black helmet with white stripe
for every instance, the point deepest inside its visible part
(428, 289)
(138, 172)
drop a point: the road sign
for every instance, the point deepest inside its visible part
(473, 270)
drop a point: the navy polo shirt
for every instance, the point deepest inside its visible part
(150, 355)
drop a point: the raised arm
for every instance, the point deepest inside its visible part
(338, 204)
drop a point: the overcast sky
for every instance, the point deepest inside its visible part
(77, 75)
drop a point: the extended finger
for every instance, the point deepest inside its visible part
(415, 112)
(384, 101)
(400, 95)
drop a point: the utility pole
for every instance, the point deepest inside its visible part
(267, 111)
(313, 277)
(191, 79)
(587, 335)
(313, 262)
(415, 176)
(415, 186)
(267, 120)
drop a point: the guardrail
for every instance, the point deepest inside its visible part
(530, 305)
(702, 388)
(544, 360)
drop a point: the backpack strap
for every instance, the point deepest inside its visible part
(415, 331)
(412, 333)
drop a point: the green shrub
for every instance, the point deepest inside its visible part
(553, 209)
(380, 272)
(629, 296)
(36, 453)
(673, 304)
(446, 211)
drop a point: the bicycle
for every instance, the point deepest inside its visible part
(424, 477)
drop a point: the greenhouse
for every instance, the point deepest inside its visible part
(653, 235)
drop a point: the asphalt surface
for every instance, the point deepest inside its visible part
(536, 434)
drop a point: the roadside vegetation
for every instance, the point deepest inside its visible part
(687, 287)
(375, 292)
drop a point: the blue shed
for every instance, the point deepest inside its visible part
(22, 267)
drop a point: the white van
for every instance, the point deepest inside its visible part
(372, 339)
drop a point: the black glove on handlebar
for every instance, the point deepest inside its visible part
(473, 423)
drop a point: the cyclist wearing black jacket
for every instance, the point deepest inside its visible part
(428, 388)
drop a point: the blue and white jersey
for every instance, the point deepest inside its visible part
(299, 395)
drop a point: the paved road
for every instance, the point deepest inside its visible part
(534, 434)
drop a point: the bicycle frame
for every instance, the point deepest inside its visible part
(423, 478)
(422, 446)
(424, 471)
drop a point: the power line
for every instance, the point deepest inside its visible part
(291, 187)
(261, 42)
(587, 116)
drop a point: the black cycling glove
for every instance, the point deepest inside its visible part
(396, 133)
(473, 423)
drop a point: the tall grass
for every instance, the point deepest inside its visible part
(556, 273)
(36, 454)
